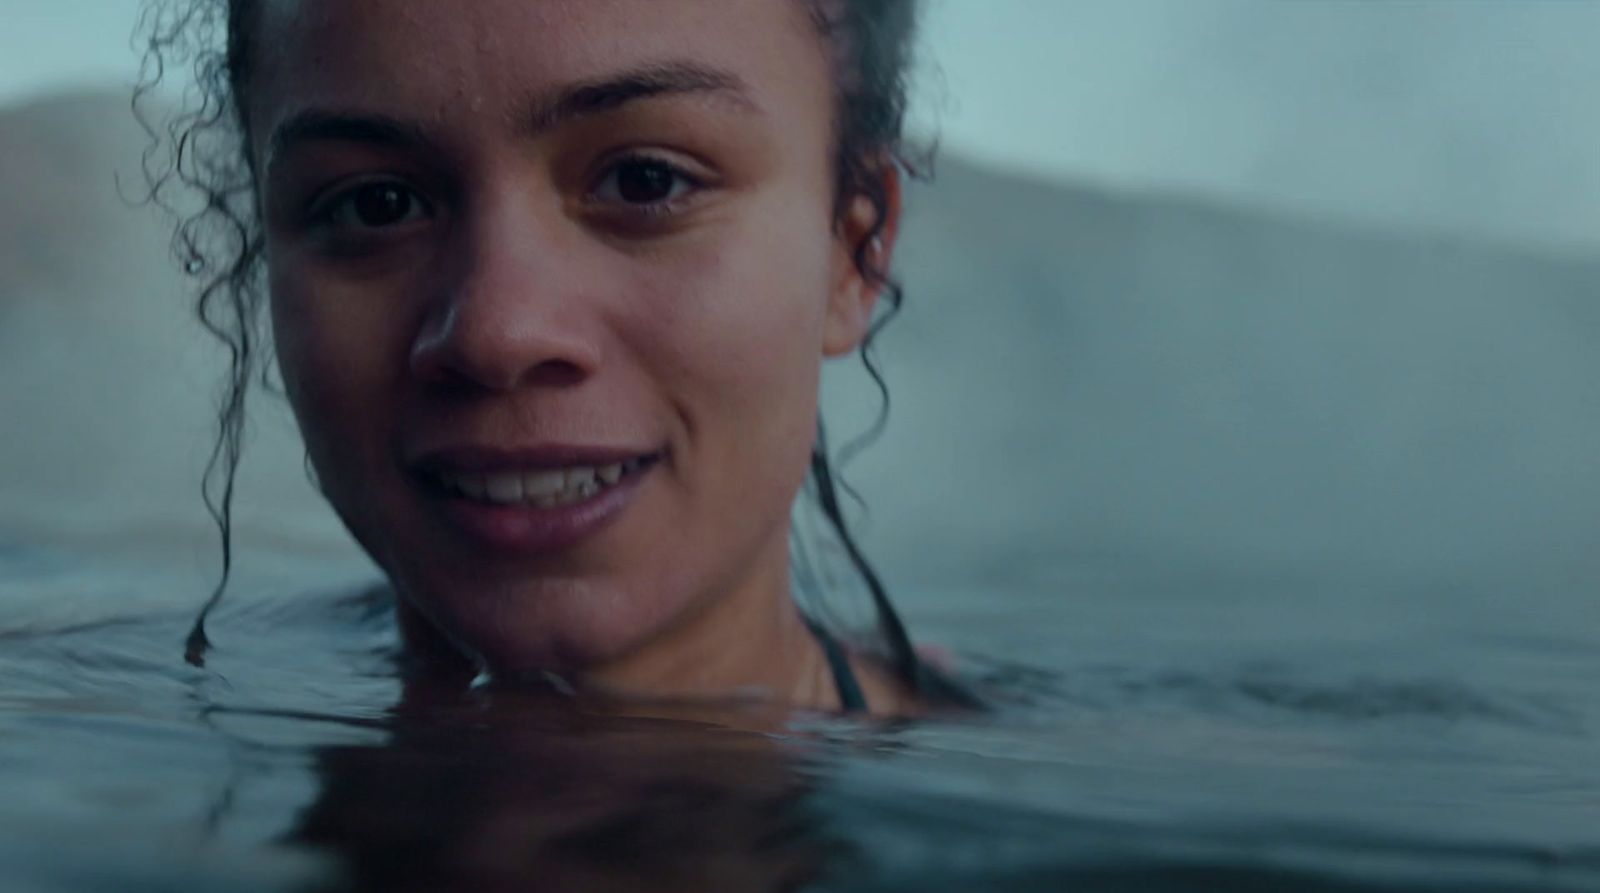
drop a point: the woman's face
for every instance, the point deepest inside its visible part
(551, 281)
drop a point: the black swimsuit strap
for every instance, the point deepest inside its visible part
(851, 698)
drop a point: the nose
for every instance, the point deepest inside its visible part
(510, 310)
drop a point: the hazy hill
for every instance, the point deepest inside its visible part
(1141, 378)
(1080, 378)
(106, 382)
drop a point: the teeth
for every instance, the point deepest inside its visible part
(538, 484)
(545, 488)
(504, 488)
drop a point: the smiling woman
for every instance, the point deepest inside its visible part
(550, 285)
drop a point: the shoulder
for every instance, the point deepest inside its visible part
(889, 694)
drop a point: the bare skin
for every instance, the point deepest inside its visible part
(514, 236)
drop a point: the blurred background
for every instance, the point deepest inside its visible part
(1295, 292)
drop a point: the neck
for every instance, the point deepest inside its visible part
(751, 640)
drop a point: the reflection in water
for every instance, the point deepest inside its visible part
(1349, 757)
(518, 790)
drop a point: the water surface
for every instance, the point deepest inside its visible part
(1158, 732)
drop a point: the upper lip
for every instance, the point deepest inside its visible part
(488, 459)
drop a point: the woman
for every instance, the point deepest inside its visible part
(550, 284)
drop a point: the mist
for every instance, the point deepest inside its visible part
(1471, 117)
(1467, 117)
(1245, 288)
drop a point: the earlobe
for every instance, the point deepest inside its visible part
(864, 249)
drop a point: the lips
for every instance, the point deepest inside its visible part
(533, 500)
(540, 487)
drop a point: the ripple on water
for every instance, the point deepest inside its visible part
(300, 757)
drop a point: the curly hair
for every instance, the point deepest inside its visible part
(199, 169)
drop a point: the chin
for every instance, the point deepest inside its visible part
(566, 626)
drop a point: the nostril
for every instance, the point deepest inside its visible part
(483, 351)
(548, 374)
(555, 373)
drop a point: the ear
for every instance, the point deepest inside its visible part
(854, 293)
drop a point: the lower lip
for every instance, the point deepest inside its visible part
(529, 530)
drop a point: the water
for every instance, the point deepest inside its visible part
(1148, 733)
(1271, 542)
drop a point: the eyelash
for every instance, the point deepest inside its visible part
(324, 212)
(685, 184)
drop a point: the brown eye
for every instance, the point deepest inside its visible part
(372, 206)
(645, 183)
(381, 204)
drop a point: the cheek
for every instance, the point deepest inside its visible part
(334, 358)
(743, 323)
(737, 347)
(302, 343)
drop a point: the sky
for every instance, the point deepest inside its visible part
(1466, 116)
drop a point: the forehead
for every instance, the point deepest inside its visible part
(436, 59)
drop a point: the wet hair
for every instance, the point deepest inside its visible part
(203, 152)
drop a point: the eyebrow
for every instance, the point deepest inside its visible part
(565, 104)
(314, 125)
(660, 79)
